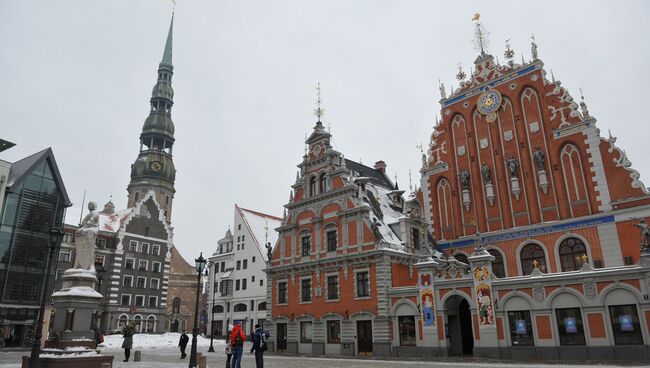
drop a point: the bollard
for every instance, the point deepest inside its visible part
(137, 356)
(202, 361)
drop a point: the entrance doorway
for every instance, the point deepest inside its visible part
(459, 332)
(174, 326)
(364, 337)
(281, 330)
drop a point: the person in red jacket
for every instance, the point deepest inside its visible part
(237, 338)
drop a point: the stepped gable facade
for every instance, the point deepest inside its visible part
(543, 212)
(347, 238)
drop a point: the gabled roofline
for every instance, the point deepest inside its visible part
(46, 154)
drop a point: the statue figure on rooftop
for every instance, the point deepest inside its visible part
(269, 251)
(533, 47)
(85, 239)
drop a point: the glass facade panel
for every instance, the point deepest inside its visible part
(333, 332)
(406, 330)
(305, 332)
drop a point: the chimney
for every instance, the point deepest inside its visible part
(381, 166)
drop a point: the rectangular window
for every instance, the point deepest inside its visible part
(99, 260)
(126, 299)
(242, 245)
(253, 278)
(332, 287)
(305, 332)
(64, 256)
(144, 248)
(67, 238)
(363, 287)
(416, 238)
(154, 284)
(406, 330)
(239, 238)
(129, 263)
(142, 282)
(155, 266)
(243, 284)
(253, 260)
(238, 265)
(331, 241)
(333, 332)
(305, 289)
(569, 325)
(521, 328)
(238, 228)
(282, 292)
(127, 281)
(223, 266)
(100, 242)
(133, 246)
(245, 265)
(243, 237)
(237, 283)
(625, 324)
(139, 300)
(305, 242)
(153, 301)
(261, 282)
(142, 265)
(155, 249)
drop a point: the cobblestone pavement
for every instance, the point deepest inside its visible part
(168, 357)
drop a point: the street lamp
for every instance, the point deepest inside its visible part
(54, 239)
(214, 276)
(200, 266)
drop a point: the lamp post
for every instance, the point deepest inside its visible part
(54, 238)
(214, 276)
(200, 266)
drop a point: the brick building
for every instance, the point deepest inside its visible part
(519, 185)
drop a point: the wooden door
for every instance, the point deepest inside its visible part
(281, 330)
(364, 337)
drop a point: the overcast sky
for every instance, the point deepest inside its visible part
(77, 76)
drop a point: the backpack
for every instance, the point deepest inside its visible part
(263, 338)
(238, 339)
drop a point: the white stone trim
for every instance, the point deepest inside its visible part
(592, 140)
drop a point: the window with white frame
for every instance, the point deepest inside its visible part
(129, 263)
(155, 249)
(133, 246)
(126, 299)
(99, 260)
(144, 248)
(100, 242)
(154, 283)
(155, 266)
(362, 284)
(153, 301)
(127, 280)
(142, 265)
(64, 255)
(282, 292)
(141, 282)
(305, 290)
(139, 300)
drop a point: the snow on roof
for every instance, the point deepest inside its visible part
(391, 214)
(261, 226)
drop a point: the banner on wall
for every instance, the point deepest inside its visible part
(427, 300)
(484, 297)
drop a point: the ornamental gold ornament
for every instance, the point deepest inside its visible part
(488, 104)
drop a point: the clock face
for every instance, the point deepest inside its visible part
(156, 166)
(489, 103)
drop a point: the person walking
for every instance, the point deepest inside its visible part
(228, 347)
(237, 338)
(259, 345)
(127, 344)
(182, 343)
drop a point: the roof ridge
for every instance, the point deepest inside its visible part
(260, 213)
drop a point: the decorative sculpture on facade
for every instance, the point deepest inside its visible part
(645, 235)
(464, 181)
(85, 239)
(540, 159)
(489, 188)
(513, 167)
(269, 251)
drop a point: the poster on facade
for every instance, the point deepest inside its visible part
(427, 301)
(484, 299)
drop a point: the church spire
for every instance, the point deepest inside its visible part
(167, 55)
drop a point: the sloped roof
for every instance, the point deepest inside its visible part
(21, 168)
(375, 175)
(261, 226)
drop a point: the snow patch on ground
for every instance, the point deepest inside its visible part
(154, 341)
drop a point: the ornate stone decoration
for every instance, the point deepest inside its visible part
(488, 104)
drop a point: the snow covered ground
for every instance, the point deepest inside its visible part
(155, 341)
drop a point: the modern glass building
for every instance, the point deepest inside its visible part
(34, 201)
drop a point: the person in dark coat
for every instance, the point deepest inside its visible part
(127, 344)
(259, 345)
(182, 343)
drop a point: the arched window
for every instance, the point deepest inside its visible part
(241, 307)
(261, 306)
(571, 250)
(137, 321)
(530, 254)
(461, 257)
(217, 309)
(176, 305)
(322, 184)
(312, 186)
(498, 268)
(151, 323)
(123, 321)
(445, 211)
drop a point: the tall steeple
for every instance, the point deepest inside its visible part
(154, 168)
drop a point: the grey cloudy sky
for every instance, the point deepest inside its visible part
(77, 76)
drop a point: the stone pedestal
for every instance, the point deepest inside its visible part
(76, 304)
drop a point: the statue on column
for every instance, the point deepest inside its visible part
(269, 251)
(538, 155)
(513, 166)
(85, 239)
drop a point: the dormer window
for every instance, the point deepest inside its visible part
(312, 186)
